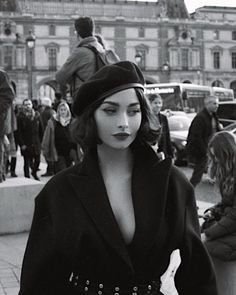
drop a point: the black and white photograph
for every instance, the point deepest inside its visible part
(117, 147)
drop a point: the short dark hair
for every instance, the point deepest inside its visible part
(84, 130)
(153, 96)
(84, 26)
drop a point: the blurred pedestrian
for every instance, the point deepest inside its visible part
(81, 64)
(6, 101)
(46, 114)
(110, 224)
(164, 143)
(203, 127)
(219, 229)
(57, 144)
(30, 133)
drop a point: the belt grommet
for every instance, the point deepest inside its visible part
(87, 282)
(100, 286)
(99, 292)
(116, 293)
(149, 287)
(117, 289)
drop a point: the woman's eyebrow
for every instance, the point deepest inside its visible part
(117, 104)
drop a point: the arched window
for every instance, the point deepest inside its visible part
(217, 83)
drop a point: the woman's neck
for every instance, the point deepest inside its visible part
(114, 159)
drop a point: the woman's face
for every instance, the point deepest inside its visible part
(118, 119)
(156, 105)
(62, 111)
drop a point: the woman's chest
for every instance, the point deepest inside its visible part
(119, 193)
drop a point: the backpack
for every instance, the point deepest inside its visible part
(105, 58)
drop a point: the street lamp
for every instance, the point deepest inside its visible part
(138, 58)
(165, 68)
(30, 43)
(198, 76)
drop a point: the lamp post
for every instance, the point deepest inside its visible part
(30, 43)
(138, 58)
(198, 76)
(166, 71)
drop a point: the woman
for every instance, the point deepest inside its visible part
(220, 235)
(110, 224)
(164, 143)
(57, 143)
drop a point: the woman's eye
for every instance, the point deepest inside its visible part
(134, 112)
(109, 111)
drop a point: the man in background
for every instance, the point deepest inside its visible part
(81, 64)
(203, 126)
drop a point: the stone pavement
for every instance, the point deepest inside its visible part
(12, 249)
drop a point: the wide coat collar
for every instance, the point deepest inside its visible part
(149, 189)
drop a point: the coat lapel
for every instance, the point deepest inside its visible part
(149, 190)
(90, 190)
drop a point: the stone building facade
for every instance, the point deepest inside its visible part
(168, 44)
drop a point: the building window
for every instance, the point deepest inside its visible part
(52, 58)
(217, 83)
(233, 60)
(20, 57)
(234, 35)
(216, 60)
(141, 32)
(216, 35)
(142, 61)
(184, 59)
(8, 57)
(52, 30)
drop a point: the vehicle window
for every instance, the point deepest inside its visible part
(227, 111)
(179, 123)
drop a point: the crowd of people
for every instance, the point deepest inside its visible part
(37, 128)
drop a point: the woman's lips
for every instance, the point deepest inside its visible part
(121, 135)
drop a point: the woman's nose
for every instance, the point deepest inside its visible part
(123, 121)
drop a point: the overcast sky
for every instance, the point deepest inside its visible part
(193, 4)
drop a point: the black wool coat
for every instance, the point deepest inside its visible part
(74, 230)
(199, 134)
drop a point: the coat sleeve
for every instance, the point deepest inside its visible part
(196, 273)
(195, 144)
(225, 226)
(39, 254)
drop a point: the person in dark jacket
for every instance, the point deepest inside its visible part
(30, 134)
(220, 235)
(109, 224)
(164, 142)
(202, 128)
(46, 114)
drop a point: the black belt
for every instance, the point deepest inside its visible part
(86, 285)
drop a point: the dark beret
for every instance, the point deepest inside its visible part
(107, 81)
